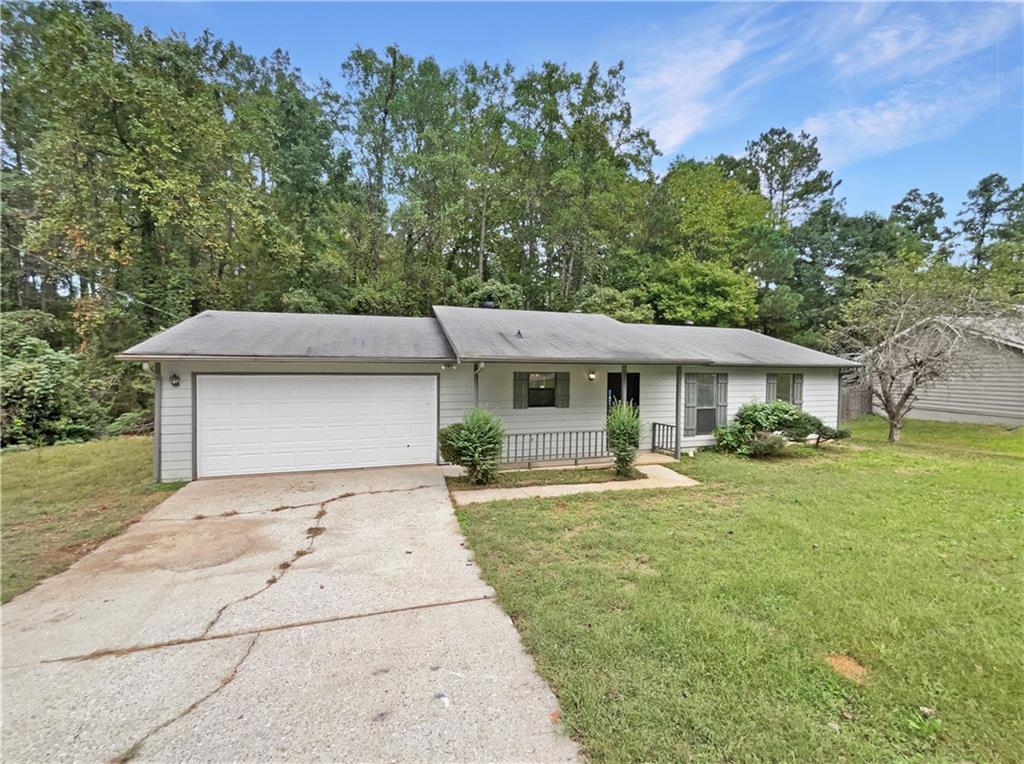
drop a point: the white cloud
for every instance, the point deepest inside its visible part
(716, 70)
(898, 121)
(903, 44)
(687, 81)
(674, 93)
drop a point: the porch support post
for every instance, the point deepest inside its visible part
(679, 420)
(622, 387)
(476, 383)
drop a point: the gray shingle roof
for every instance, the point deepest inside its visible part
(735, 347)
(483, 334)
(479, 334)
(469, 334)
(236, 334)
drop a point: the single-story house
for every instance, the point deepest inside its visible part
(245, 393)
(988, 386)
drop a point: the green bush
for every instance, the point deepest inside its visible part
(44, 397)
(763, 429)
(623, 436)
(475, 443)
(447, 439)
(18, 325)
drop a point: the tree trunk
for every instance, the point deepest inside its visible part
(483, 234)
(895, 431)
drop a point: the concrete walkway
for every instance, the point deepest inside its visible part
(657, 477)
(328, 616)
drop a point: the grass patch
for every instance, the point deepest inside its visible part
(60, 502)
(522, 478)
(704, 624)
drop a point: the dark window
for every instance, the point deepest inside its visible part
(542, 389)
(632, 387)
(784, 387)
(706, 415)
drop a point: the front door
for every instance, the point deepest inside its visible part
(632, 387)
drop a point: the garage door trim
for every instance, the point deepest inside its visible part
(197, 374)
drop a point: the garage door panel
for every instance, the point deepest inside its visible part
(290, 422)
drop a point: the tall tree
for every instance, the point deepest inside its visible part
(991, 206)
(790, 173)
(921, 214)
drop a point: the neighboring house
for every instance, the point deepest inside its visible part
(244, 393)
(989, 386)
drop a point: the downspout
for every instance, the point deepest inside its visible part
(679, 422)
(157, 406)
(477, 368)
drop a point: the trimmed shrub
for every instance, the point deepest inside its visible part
(446, 440)
(623, 436)
(763, 429)
(475, 443)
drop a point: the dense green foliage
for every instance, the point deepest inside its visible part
(764, 429)
(623, 428)
(44, 397)
(476, 443)
(148, 178)
(693, 624)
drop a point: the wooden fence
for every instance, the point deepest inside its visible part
(854, 401)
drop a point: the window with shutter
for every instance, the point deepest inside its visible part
(540, 389)
(785, 387)
(705, 408)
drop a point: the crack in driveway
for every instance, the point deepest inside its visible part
(283, 567)
(136, 747)
(285, 507)
(123, 651)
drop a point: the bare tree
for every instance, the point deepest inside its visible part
(911, 329)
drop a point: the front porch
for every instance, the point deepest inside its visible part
(583, 447)
(555, 413)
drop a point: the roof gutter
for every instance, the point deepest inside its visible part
(275, 358)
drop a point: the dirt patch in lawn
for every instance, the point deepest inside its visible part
(847, 667)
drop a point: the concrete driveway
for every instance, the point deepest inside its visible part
(317, 616)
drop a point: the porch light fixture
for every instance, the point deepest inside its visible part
(447, 366)
(591, 375)
(175, 380)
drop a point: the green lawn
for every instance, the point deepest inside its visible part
(60, 502)
(694, 624)
(521, 478)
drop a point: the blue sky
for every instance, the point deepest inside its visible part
(900, 95)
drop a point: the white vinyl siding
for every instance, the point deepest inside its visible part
(587, 400)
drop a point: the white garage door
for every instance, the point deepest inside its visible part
(250, 423)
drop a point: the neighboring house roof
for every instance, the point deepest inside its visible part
(469, 334)
(1006, 331)
(235, 334)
